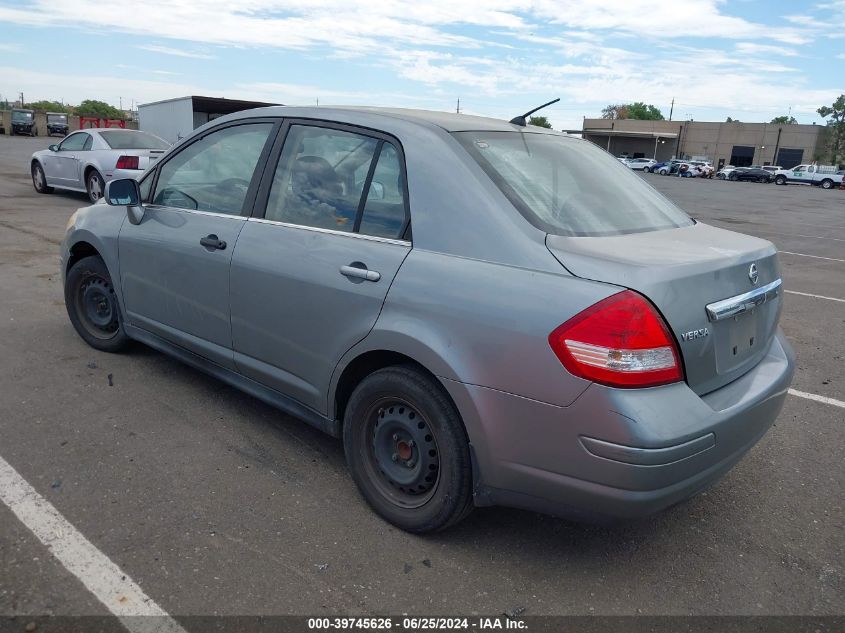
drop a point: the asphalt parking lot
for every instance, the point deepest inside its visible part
(214, 503)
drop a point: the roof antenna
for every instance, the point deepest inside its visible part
(521, 120)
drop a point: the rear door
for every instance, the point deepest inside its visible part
(174, 265)
(310, 272)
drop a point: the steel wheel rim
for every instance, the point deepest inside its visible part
(94, 189)
(97, 308)
(402, 455)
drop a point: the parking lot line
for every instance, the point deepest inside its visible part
(109, 584)
(832, 259)
(807, 294)
(817, 398)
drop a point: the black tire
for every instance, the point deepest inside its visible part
(93, 307)
(425, 484)
(39, 180)
(827, 183)
(94, 185)
(780, 180)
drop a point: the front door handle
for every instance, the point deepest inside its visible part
(359, 272)
(212, 241)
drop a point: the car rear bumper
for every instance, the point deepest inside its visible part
(616, 453)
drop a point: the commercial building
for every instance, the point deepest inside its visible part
(176, 118)
(734, 143)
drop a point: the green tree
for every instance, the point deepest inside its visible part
(98, 108)
(615, 111)
(539, 121)
(784, 119)
(835, 115)
(732, 120)
(643, 112)
(48, 106)
(636, 110)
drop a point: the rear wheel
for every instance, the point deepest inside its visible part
(780, 180)
(92, 305)
(39, 180)
(95, 185)
(826, 183)
(407, 450)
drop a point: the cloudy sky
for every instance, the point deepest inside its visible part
(749, 59)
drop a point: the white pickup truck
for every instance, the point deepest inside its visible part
(823, 176)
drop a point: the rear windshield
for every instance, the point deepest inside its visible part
(130, 139)
(568, 186)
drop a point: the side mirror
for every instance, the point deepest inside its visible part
(53, 148)
(125, 192)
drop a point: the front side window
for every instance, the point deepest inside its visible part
(338, 180)
(75, 142)
(146, 186)
(567, 186)
(214, 173)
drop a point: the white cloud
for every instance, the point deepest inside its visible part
(750, 48)
(177, 52)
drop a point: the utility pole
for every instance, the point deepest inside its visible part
(458, 108)
(671, 108)
(22, 101)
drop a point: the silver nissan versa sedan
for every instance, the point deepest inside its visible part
(474, 306)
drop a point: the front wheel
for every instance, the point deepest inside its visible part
(407, 450)
(95, 185)
(39, 180)
(733, 178)
(92, 305)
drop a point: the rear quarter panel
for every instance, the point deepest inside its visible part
(482, 323)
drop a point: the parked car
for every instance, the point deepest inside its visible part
(772, 168)
(657, 166)
(671, 168)
(641, 164)
(606, 356)
(724, 172)
(705, 170)
(57, 124)
(23, 122)
(824, 176)
(87, 159)
(749, 174)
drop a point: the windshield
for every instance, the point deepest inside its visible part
(130, 139)
(17, 115)
(568, 186)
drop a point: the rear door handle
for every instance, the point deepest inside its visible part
(356, 272)
(212, 241)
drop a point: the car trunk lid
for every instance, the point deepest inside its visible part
(683, 271)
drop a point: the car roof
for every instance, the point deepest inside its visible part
(449, 121)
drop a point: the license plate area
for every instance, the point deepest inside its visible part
(744, 338)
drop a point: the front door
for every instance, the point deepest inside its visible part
(62, 168)
(174, 265)
(309, 278)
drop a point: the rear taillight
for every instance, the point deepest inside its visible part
(620, 341)
(127, 162)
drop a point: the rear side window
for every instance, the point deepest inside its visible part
(338, 180)
(214, 173)
(568, 186)
(130, 139)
